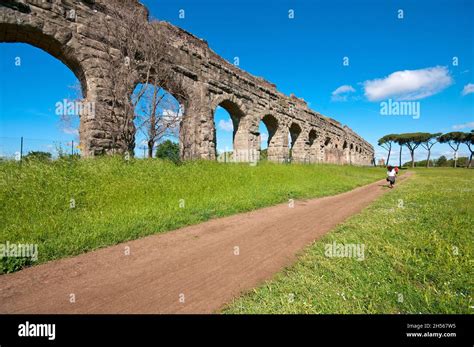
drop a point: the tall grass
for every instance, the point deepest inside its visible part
(117, 200)
(419, 250)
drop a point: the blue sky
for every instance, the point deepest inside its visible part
(409, 58)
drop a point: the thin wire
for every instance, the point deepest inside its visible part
(28, 138)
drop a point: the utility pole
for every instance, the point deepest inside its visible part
(21, 149)
(72, 147)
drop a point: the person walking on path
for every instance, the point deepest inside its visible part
(391, 174)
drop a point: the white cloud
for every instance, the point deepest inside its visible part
(341, 93)
(263, 138)
(468, 89)
(408, 84)
(172, 113)
(172, 117)
(463, 126)
(71, 131)
(226, 125)
(343, 89)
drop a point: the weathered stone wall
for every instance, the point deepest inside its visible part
(205, 81)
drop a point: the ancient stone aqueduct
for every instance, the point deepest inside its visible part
(207, 80)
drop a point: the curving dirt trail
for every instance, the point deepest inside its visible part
(196, 264)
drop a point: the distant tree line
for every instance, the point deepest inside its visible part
(167, 150)
(442, 161)
(412, 141)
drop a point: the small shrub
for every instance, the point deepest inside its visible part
(168, 150)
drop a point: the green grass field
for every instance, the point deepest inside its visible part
(117, 200)
(418, 256)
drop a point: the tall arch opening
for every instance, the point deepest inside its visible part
(231, 142)
(313, 155)
(345, 152)
(329, 150)
(41, 102)
(268, 127)
(157, 118)
(296, 146)
(13, 33)
(76, 109)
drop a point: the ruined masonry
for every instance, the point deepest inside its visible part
(206, 80)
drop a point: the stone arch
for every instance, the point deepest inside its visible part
(169, 107)
(54, 45)
(272, 124)
(241, 132)
(330, 150)
(186, 124)
(351, 153)
(230, 101)
(326, 145)
(297, 146)
(313, 146)
(173, 84)
(327, 141)
(346, 153)
(99, 118)
(22, 28)
(312, 135)
(277, 128)
(356, 154)
(337, 152)
(295, 131)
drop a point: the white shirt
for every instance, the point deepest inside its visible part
(392, 173)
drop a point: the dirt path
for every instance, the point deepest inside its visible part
(196, 263)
